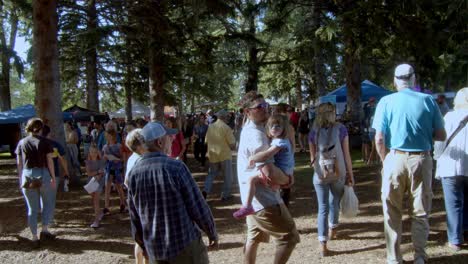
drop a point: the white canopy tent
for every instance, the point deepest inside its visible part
(138, 110)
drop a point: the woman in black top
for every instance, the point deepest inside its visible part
(35, 162)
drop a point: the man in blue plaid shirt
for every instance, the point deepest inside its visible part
(167, 209)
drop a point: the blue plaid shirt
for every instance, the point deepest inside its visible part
(167, 209)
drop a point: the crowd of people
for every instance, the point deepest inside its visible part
(146, 164)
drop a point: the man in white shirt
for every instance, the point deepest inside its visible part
(271, 215)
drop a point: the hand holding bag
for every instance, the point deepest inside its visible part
(349, 203)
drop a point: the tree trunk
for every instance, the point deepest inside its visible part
(298, 89)
(46, 66)
(353, 80)
(7, 47)
(92, 88)
(252, 72)
(320, 79)
(156, 83)
(352, 65)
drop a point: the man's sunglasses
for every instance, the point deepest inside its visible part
(260, 106)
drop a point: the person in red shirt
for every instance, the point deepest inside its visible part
(293, 117)
(178, 146)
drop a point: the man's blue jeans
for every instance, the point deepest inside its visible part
(36, 198)
(328, 198)
(226, 167)
(456, 205)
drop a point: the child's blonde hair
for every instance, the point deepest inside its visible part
(95, 147)
(280, 120)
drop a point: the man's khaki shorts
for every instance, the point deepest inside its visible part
(272, 221)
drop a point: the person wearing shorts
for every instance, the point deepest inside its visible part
(271, 217)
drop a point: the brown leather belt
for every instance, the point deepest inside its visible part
(411, 152)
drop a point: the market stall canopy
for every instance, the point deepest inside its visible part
(22, 114)
(368, 90)
(83, 114)
(138, 110)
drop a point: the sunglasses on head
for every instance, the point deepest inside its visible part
(263, 105)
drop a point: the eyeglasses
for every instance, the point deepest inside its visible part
(263, 105)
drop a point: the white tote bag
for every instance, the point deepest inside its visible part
(349, 203)
(92, 185)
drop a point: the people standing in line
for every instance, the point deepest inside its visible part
(329, 141)
(271, 216)
(273, 174)
(74, 167)
(112, 153)
(282, 109)
(452, 170)
(406, 123)
(167, 210)
(35, 162)
(303, 129)
(199, 145)
(136, 143)
(58, 157)
(220, 142)
(95, 168)
(178, 145)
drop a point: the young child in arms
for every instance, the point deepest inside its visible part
(275, 174)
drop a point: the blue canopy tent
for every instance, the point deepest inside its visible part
(368, 90)
(22, 114)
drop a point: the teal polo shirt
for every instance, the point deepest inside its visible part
(408, 119)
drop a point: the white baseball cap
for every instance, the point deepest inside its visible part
(404, 71)
(155, 130)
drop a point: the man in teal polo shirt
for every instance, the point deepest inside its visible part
(406, 124)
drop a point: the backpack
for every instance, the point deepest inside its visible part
(327, 158)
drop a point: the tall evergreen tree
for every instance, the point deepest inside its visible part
(46, 66)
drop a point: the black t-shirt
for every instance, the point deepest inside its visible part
(34, 150)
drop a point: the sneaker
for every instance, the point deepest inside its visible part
(454, 247)
(95, 224)
(243, 212)
(332, 233)
(46, 236)
(100, 216)
(105, 211)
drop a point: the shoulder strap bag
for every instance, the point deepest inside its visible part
(454, 133)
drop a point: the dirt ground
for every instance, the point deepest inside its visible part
(360, 240)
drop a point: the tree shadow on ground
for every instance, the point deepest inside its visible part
(67, 246)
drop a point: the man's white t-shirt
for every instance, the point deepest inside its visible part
(252, 140)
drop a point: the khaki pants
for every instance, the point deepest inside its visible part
(194, 253)
(401, 174)
(273, 221)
